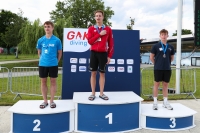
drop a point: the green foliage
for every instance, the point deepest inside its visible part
(184, 32)
(10, 24)
(60, 25)
(82, 12)
(130, 26)
(29, 34)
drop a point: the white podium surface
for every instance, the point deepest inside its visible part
(180, 118)
(28, 117)
(32, 107)
(179, 110)
(121, 113)
(120, 97)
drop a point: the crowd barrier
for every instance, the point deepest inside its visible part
(4, 80)
(26, 81)
(187, 82)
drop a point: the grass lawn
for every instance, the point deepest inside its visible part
(187, 79)
(4, 57)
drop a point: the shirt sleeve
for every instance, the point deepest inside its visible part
(38, 46)
(110, 44)
(153, 49)
(92, 39)
(59, 46)
(172, 51)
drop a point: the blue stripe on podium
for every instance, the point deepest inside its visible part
(91, 118)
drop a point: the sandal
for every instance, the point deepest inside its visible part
(53, 105)
(104, 97)
(91, 97)
(43, 105)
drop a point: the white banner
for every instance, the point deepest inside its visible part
(75, 40)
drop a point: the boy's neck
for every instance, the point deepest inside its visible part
(164, 42)
(49, 35)
(99, 24)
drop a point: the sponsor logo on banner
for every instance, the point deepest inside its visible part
(120, 61)
(130, 69)
(129, 61)
(73, 60)
(73, 68)
(111, 69)
(112, 61)
(75, 40)
(82, 68)
(82, 60)
(120, 69)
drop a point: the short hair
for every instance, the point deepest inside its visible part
(99, 11)
(164, 31)
(49, 23)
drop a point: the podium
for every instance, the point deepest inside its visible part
(27, 117)
(123, 112)
(118, 114)
(180, 118)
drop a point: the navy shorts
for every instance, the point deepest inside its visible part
(45, 72)
(98, 61)
(162, 75)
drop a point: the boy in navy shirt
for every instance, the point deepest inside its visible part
(162, 54)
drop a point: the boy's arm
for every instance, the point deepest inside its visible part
(152, 58)
(92, 39)
(110, 44)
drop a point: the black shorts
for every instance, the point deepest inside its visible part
(162, 75)
(45, 72)
(98, 60)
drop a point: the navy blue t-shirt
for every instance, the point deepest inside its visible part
(162, 63)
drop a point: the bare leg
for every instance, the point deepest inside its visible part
(101, 82)
(53, 89)
(93, 81)
(165, 89)
(44, 89)
(155, 88)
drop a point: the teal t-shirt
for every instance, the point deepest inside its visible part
(49, 50)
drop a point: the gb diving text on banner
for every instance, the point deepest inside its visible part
(75, 40)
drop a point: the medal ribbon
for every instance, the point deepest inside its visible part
(164, 48)
(98, 28)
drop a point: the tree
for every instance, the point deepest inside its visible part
(184, 32)
(60, 25)
(30, 33)
(130, 26)
(82, 12)
(12, 24)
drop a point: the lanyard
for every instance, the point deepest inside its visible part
(164, 49)
(98, 28)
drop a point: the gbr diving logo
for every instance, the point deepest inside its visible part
(75, 40)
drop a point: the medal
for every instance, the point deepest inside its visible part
(164, 56)
(164, 49)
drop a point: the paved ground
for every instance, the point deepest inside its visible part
(5, 118)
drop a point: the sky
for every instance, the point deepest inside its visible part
(150, 15)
